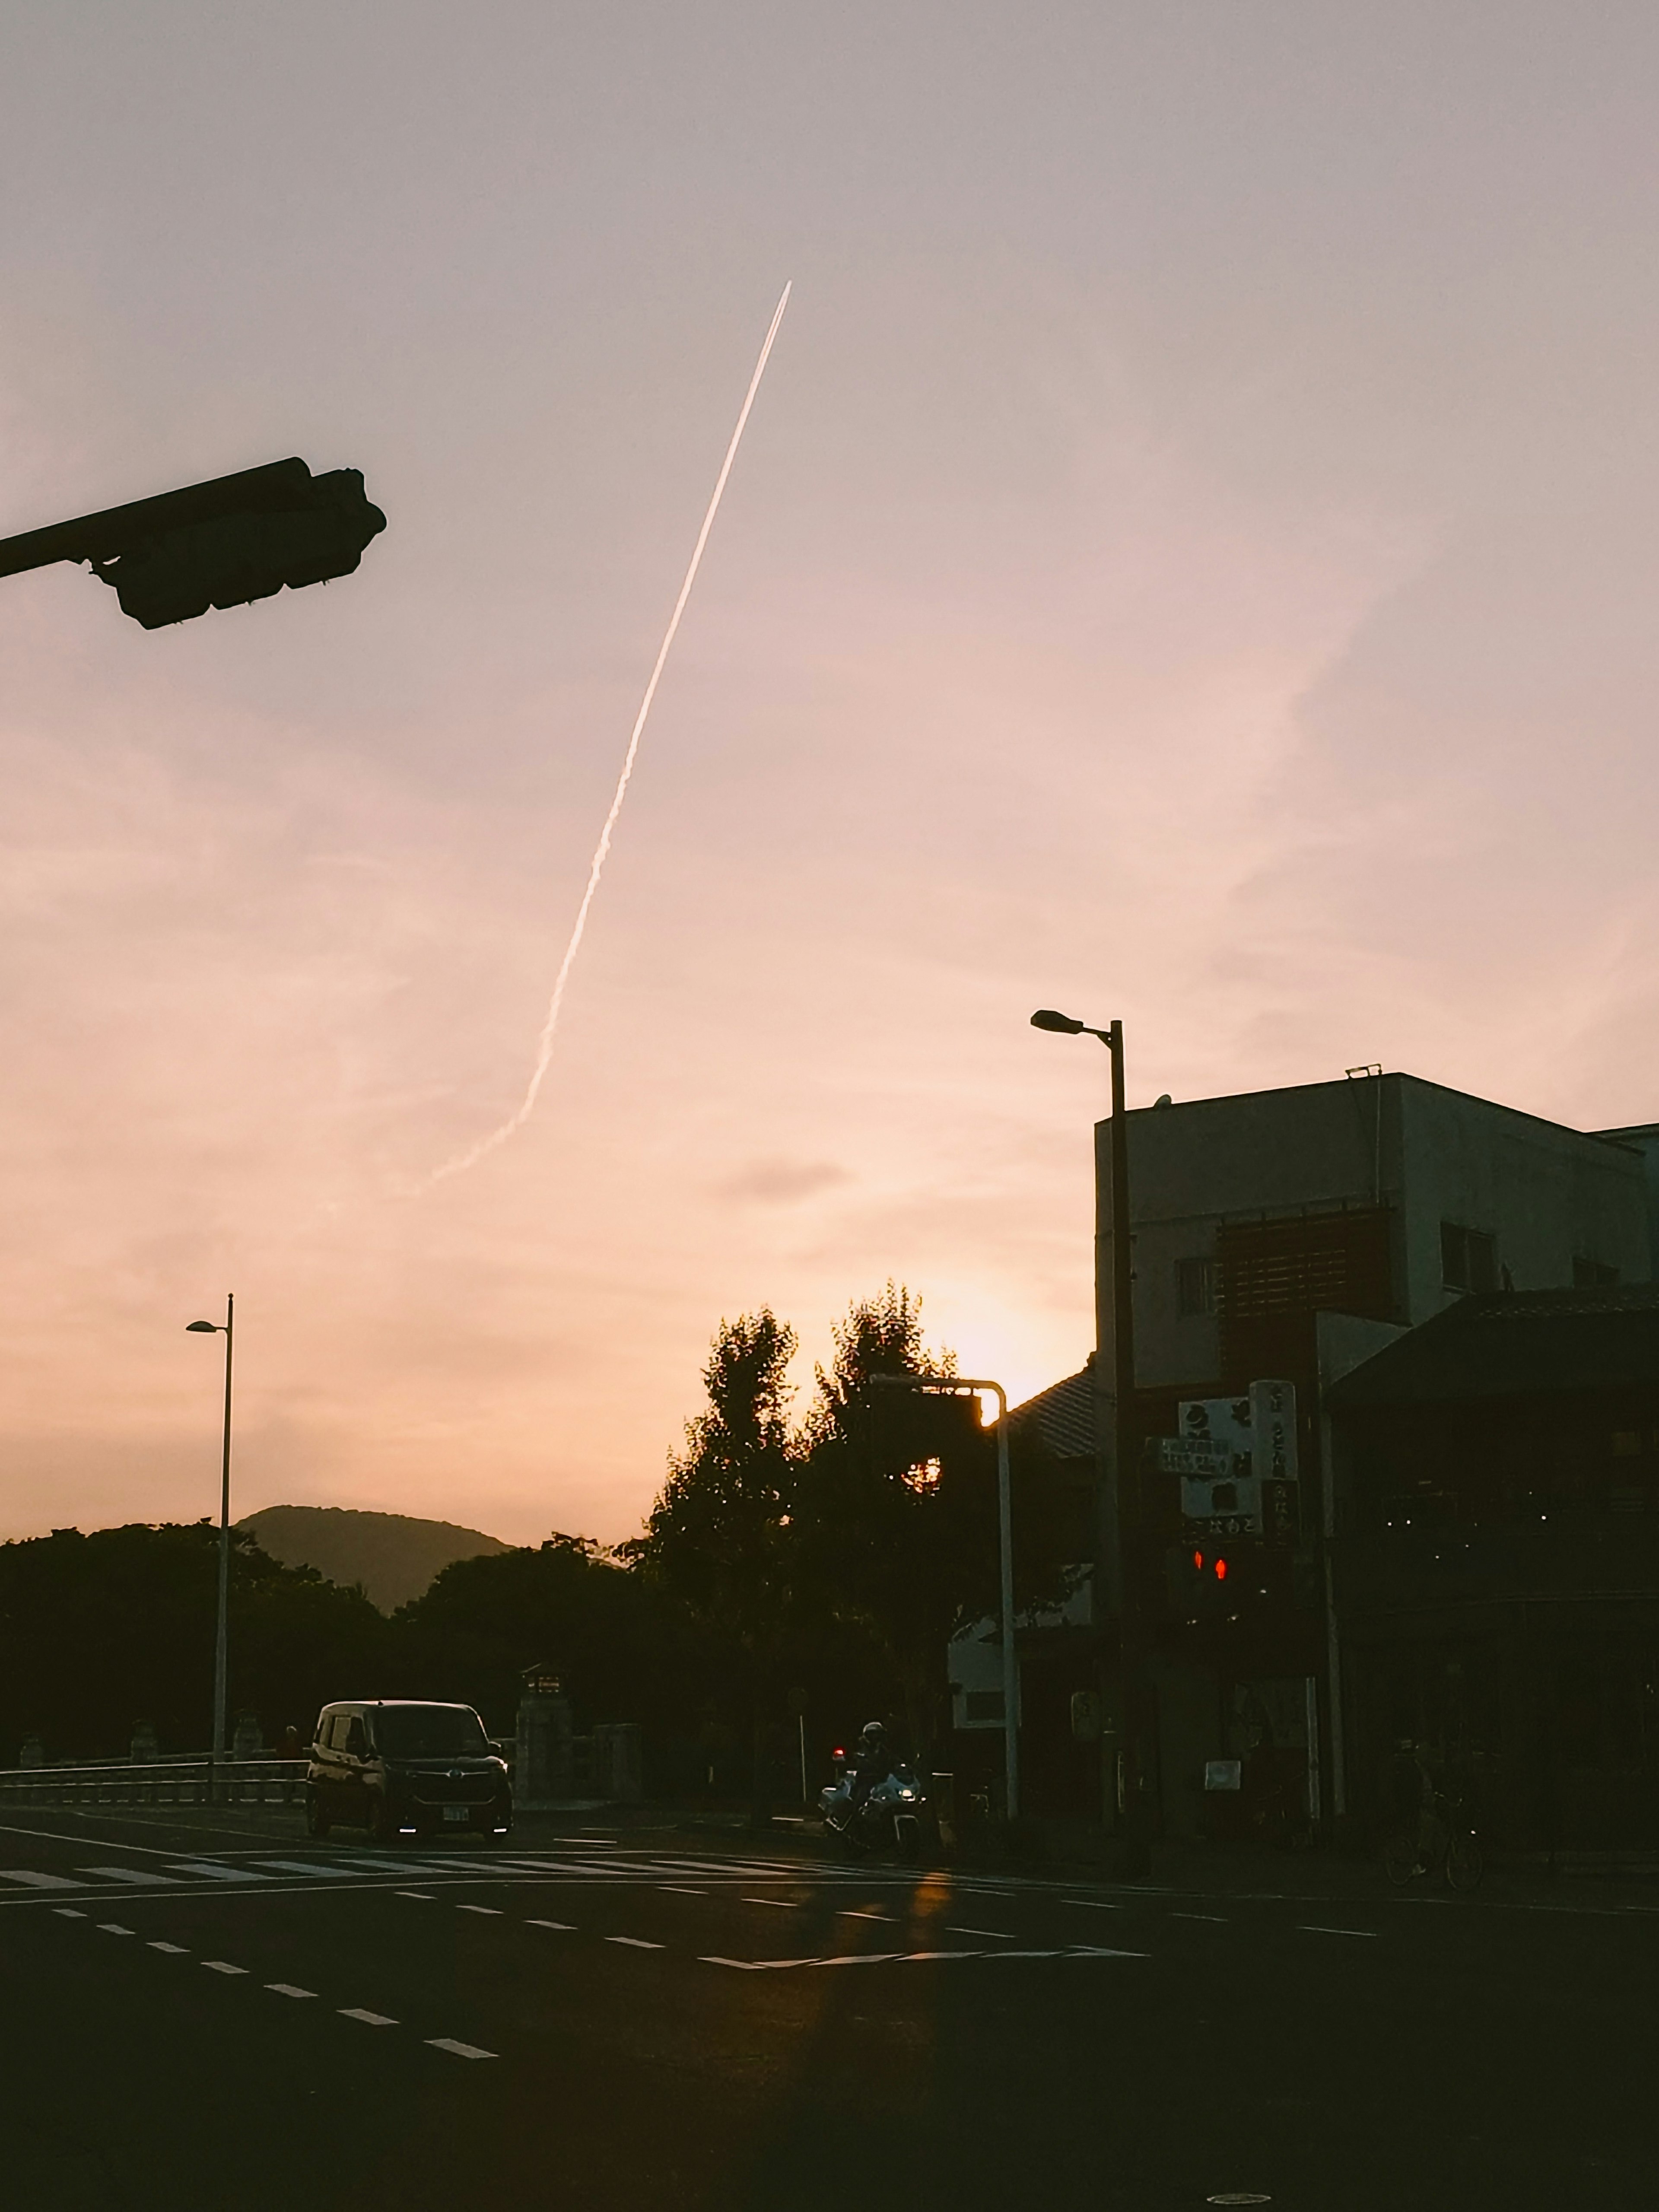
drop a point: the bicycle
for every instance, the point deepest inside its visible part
(1452, 1851)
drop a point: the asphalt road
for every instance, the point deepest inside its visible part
(203, 2011)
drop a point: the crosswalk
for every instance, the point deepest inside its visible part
(595, 1864)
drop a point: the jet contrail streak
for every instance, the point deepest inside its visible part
(544, 1046)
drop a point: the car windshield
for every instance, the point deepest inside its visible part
(429, 1732)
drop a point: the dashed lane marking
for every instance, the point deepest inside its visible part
(33, 1881)
(423, 1896)
(203, 1871)
(781, 1904)
(1095, 1903)
(173, 1950)
(222, 1967)
(637, 1942)
(296, 1865)
(368, 2019)
(136, 1875)
(676, 1889)
(1220, 1918)
(114, 1928)
(564, 1927)
(1000, 1934)
(289, 1990)
(495, 1911)
(913, 1957)
(855, 1912)
(68, 1912)
(456, 2050)
(1311, 1928)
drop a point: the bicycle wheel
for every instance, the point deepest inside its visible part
(1464, 1865)
(1400, 1856)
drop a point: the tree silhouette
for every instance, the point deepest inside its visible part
(720, 1537)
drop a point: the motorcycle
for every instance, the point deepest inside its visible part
(890, 1816)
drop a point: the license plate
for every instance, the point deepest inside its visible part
(457, 1811)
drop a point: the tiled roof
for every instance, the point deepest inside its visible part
(1516, 1344)
(1064, 1415)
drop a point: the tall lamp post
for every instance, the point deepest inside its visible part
(1118, 1515)
(962, 1386)
(226, 1328)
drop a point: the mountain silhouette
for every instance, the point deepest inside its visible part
(393, 1555)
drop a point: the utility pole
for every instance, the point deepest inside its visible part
(1132, 1687)
(1123, 1760)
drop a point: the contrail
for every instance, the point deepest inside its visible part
(544, 1046)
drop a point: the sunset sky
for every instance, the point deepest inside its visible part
(1192, 559)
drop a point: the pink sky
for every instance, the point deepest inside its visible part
(1192, 560)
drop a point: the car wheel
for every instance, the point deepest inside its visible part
(317, 1821)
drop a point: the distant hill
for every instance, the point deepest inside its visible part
(394, 1556)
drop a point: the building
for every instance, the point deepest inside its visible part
(1496, 1548)
(1295, 1235)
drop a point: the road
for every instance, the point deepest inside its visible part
(203, 2010)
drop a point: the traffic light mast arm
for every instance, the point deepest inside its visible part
(275, 487)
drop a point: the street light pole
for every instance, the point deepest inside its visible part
(226, 1328)
(1118, 1517)
(959, 1386)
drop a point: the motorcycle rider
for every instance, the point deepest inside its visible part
(873, 1763)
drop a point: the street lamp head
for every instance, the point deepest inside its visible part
(209, 1328)
(1046, 1018)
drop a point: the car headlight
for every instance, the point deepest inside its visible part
(907, 1797)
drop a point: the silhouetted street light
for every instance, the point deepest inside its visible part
(1117, 1517)
(226, 1328)
(962, 1386)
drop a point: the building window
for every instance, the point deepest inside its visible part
(1591, 1274)
(1194, 1287)
(1468, 1258)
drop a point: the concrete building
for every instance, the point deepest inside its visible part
(1379, 1195)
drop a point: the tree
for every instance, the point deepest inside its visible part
(567, 1605)
(898, 1503)
(99, 1631)
(890, 1496)
(721, 1536)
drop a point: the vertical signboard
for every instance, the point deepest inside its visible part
(1250, 1490)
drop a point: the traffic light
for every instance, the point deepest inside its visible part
(1203, 1581)
(238, 558)
(223, 543)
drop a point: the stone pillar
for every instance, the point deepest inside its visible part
(542, 1773)
(619, 1761)
(145, 1748)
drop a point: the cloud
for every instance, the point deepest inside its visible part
(782, 1182)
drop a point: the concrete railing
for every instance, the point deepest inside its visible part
(195, 1779)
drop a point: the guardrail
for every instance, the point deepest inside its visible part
(195, 1779)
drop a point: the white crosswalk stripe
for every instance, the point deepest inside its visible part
(564, 1862)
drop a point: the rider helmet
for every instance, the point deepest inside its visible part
(871, 1733)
